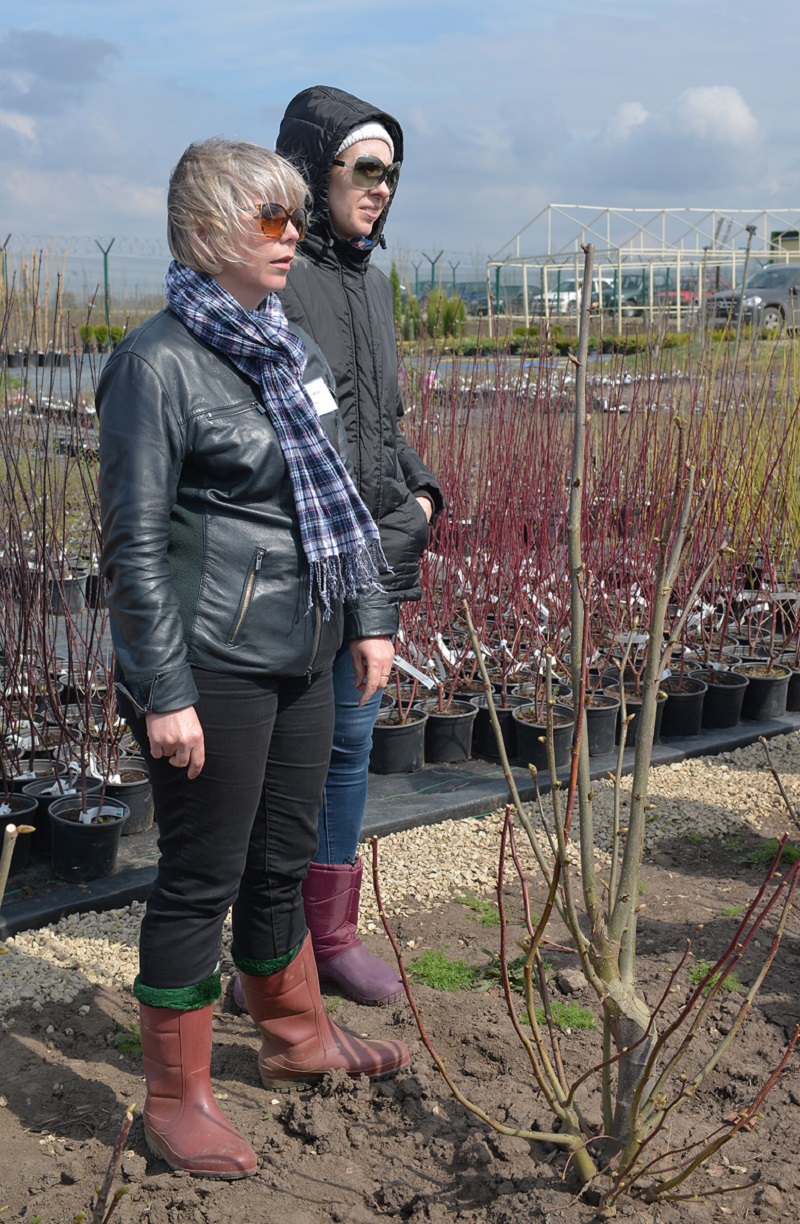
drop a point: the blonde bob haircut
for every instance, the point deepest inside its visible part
(213, 193)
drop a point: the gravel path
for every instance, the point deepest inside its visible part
(705, 797)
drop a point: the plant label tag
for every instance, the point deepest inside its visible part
(321, 397)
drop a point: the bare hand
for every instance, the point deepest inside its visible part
(177, 736)
(372, 664)
(426, 504)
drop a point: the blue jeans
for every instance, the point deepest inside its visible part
(345, 798)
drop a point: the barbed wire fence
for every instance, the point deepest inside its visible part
(136, 266)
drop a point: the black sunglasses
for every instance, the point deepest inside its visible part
(274, 219)
(369, 172)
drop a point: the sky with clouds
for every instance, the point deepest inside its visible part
(506, 107)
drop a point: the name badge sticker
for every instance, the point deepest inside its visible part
(321, 397)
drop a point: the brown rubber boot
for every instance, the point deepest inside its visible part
(299, 1041)
(182, 1123)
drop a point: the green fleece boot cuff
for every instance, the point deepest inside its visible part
(179, 998)
(264, 968)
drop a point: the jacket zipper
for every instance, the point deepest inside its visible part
(317, 635)
(247, 595)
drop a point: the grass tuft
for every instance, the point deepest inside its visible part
(763, 855)
(568, 1017)
(434, 968)
(730, 983)
(129, 1040)
(486, 912)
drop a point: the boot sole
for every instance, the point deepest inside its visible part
(307, 1083)
(386, 1001)
(210, 1176)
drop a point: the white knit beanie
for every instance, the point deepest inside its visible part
(367, 131)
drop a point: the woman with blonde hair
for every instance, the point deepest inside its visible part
(235, 547)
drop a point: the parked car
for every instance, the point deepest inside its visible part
(476, 300)
(633, 292)
(771, 299)
(563, 296)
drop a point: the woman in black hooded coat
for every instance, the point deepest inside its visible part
(349, 153)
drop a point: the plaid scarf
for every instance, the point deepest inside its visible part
(339, 537)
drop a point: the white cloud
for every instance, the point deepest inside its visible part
(630, 115)
(717, 114)
(15, 121)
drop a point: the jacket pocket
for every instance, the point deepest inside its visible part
(246, 597)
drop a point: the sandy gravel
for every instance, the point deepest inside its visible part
(705, 797)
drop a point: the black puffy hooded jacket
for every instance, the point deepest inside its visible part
(346, 305)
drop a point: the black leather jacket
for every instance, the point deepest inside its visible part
(346, 305)
(202, 547)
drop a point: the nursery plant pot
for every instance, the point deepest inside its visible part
(793, 692)
(23, 811)
(83, 852)
(531, 728)
(602, 712)
(483, 737)
(42, 766)
(722, 704)
(42, 838)
(398, 747)
(766, 695)
(67, 594)
(534, 690)
(634, 706)
(448, 737)
(683, 712)
(136, 792)
(95, 589)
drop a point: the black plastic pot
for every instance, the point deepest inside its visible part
(793, 692)
(42, 838)
(398, 747)
(42, 766)
(448, 737)
(484, 740)
(601, 724)
(136, 792)
(83, 852)
(634, 707)
(683, 712)
(23, 812)
(530, 749)
(533, 690)
(766, 695)
(722, 704)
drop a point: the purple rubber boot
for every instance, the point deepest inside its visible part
(331, 895)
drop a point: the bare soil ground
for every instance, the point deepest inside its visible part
(405, 1149)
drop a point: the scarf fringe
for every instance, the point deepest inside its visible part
(345, 576)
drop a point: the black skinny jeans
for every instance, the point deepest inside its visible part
(243, 832)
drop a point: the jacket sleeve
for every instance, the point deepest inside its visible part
(418, 477)
(371, 614)
(142, 445)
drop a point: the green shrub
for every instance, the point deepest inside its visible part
(117, 333)
(397, 297)
(101, 334)
(674, 339)
(445, 314)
